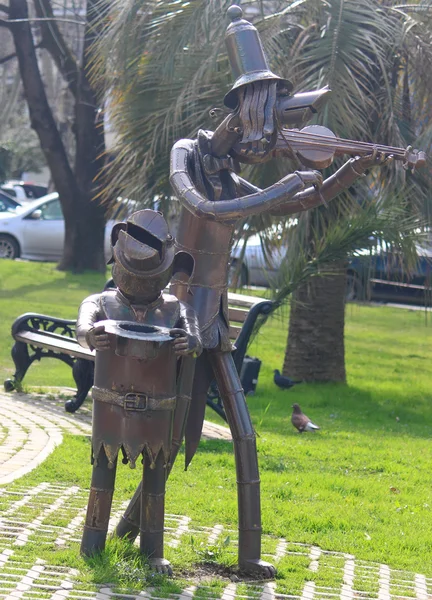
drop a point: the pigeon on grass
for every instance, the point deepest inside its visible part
(285, 383)
(301, 421)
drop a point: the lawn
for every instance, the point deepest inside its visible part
(361, 485)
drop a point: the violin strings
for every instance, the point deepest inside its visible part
(319, 137)
(323, 140)
(305, 144)
(341, 142)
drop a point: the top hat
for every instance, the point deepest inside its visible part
(246, 55)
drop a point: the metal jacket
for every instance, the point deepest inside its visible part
(134, 400)
(206, 228)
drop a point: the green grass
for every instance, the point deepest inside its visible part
(361, 485)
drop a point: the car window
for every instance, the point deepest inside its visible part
(51, 211)
(5, 207)
(10, 191)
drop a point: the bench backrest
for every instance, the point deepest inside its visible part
(58, 334)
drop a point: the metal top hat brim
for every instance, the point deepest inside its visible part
(231, 98)
(136, 331)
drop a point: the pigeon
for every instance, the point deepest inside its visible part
(301, 421)
(285, 383)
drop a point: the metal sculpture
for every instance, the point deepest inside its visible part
(141, 395)
(204, 177)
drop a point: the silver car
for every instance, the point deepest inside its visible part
(36, 231)
(251, 267)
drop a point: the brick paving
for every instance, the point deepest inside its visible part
(27, 516)
(52, 514)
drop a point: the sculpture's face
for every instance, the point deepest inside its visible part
(140, 289)
(256, 110)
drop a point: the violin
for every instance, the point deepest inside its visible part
(316, 146)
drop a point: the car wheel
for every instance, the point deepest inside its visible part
(354, 288)
(242, 277)
(9, 247)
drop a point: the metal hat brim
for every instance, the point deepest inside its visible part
(231, 98)
(114, 237)
(150, 274)
(136, 331)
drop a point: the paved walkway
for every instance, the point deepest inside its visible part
(31, 427)
(52, 515)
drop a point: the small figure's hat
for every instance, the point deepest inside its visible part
(144, 247)
(246, 55)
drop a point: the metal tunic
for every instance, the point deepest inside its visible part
(206, 291)
(125, 416)
(213, 201)
(132, 404)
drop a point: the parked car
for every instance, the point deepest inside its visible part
(380, 276)
(376, 276)
(7, 203)
(36, 232)
(24, 191)
(252, 269)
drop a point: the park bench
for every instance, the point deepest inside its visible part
(40, 336)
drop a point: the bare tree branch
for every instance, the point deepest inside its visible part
(36, 19)
(54, 42)
(7, 58)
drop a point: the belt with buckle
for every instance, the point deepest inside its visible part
(133, 400)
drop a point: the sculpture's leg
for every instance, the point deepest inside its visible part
(152, 514)
(128, 525)
(99, 506)
(248, 483)
(83, 373)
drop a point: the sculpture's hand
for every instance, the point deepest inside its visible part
(376, 159)
(185, 343)
(309, 178)
(97, 338)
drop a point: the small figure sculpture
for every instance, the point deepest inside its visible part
(141, 395)
(204, 176)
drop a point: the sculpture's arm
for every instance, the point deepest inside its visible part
(257, 202)
(188, 322)
(89, 313)
(309, 198)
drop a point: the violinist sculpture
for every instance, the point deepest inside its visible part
(204, 177)
(145, 343)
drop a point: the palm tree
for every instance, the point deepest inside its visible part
(166, 67)
(368, 52)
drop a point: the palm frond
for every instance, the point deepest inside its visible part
(385, 223)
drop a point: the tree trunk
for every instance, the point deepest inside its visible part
(84, 218)
(84, 237)
(42, 120)
(315, 348)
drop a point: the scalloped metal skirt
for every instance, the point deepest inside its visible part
(134, 428)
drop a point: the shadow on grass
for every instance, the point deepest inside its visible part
(340, 407)
(95, 281)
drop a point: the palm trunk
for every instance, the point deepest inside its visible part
(315, 348)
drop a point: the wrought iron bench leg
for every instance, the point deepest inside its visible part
(83, 373)
(22, 361)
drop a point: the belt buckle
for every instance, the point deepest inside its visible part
(134, 401)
